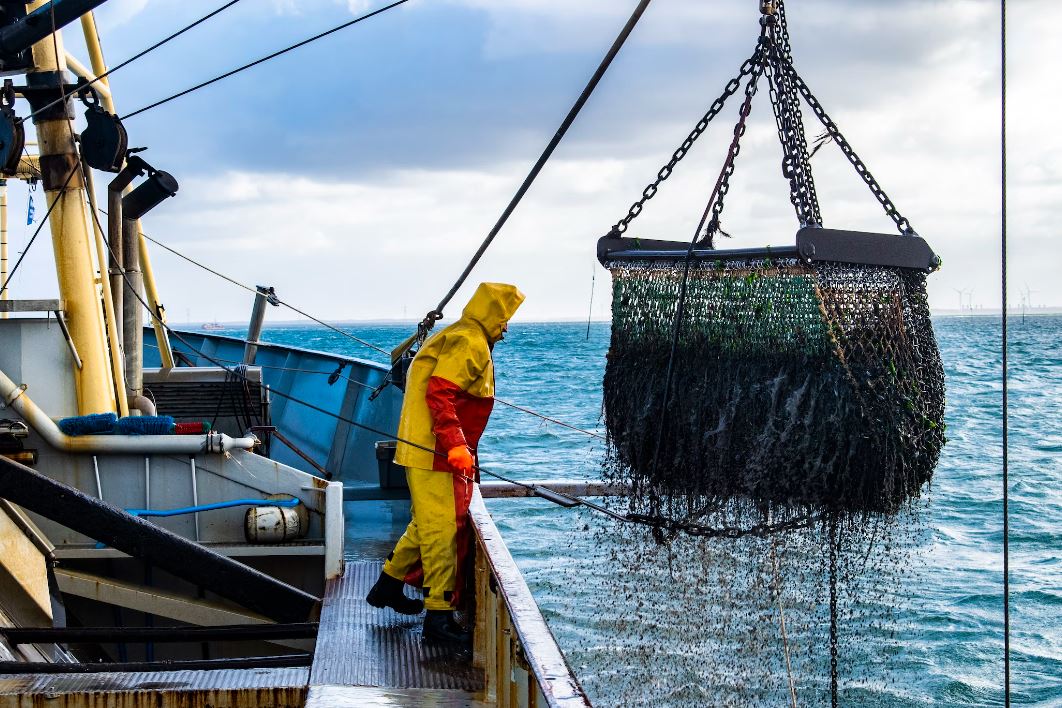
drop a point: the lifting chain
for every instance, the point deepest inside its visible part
(832, 525)
(707, 240)
(834, 132)
(717, 106)
(796, 162)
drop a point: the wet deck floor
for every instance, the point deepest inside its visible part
(371, 657)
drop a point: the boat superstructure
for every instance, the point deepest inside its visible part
(189, 518)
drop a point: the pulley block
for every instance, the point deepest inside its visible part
(12, 132)
(104, 142)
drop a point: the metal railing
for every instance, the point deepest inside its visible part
(520, 659)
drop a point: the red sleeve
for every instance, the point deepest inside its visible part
(441, 397)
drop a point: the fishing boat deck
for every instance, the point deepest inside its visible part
(367, 656)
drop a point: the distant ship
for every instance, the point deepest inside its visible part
(212, 326)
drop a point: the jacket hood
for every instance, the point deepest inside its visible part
(492, 305)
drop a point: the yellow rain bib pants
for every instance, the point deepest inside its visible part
(448, 399)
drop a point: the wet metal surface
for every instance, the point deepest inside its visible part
(273, 688)
(359, 645)
(365, 697)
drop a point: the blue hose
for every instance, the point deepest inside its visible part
(285, 503)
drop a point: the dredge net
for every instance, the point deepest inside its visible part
(797, 389)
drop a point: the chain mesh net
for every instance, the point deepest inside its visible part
(797, 388)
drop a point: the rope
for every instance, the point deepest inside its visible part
(776, 585)
(1003, 286)
(131, 59)
(436, 314)
(264, 59)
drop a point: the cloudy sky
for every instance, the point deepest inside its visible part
(358, 174)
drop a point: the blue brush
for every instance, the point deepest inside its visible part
(145, 425)
(94, 424)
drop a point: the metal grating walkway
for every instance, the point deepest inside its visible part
(359, 645)
(277, 688)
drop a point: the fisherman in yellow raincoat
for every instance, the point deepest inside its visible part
(448, 400)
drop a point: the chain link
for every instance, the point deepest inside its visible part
(796, 162)
(717, 106)
(902, 224)
(713, 226)
(833, 609)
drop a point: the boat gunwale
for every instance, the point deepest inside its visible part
(557, 682)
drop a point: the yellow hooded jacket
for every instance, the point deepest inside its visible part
(450, 384)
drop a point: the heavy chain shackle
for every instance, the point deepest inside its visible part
(747, 67)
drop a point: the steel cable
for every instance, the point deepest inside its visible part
(133, 58)
(1004, 364)
(435, 315)
(33, 238)
(264, 59)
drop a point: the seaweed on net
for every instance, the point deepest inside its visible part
(797, 388)
(800, 391)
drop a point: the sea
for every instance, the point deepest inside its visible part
(643, 625)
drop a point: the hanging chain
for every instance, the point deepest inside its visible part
(796, 162)
(707, 240)
(833, 607)
(902, 224)
(717, 106)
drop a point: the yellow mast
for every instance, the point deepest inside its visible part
(71, 240)
(158, 314)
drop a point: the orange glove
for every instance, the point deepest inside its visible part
(460, 458)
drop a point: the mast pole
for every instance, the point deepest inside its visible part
(71, 240)
(158, 313)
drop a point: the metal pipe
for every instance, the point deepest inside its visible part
(143, 404)
(40, 23)
(252, 662)
(254, 328)
(158, 312)
(15, 398)
(228, 633)
(82, 71)
(113, 337)
(114, 259)
(71, 240)
(153, 545)
(132, 314)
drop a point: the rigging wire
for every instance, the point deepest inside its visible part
(553, 495)
(366, 386)
(264, 59)
(248, 288)
(51, 207)
(353, 337)
(435, 315)
(1003, 286)
(131, 59)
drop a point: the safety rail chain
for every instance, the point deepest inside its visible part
(520, 659)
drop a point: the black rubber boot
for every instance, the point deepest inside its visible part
(387, 592)
(440, 626)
